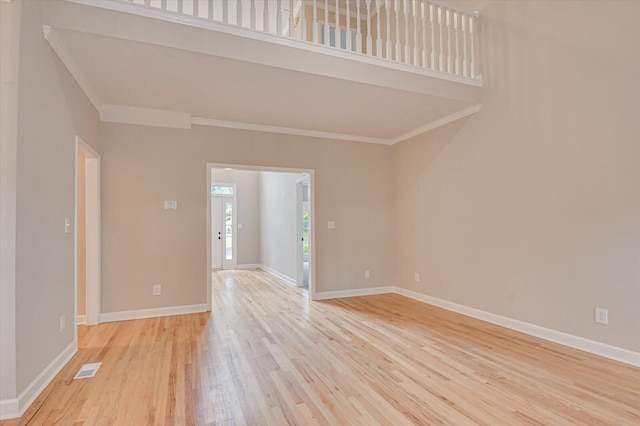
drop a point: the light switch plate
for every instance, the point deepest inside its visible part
(170, 205)
(331, 224)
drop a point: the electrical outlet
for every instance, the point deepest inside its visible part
(416, 277)
(602, 316)
(367, 274)
(157, 289)
(63, 322)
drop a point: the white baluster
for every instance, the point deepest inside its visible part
(239, 13)
(291, 23)
(423, 16)
(465, 64)
(327, 41)
(348, 34)
(387, 8)
(303, 20)
(456, 28)
(407, 47)
(163, 4)
(279, 17)
(432, 11)
(252, 14)
(210, 10)
(358, 29)
(369, 38)
(472, 64)
(379, 36)
(337, 32)
(441, 31)
(414, 9)
(315, 22)
(265, 17)
(147, 3)
(225, 11)
(398, 45)
(449, 57)
(196, 8)
(179, 6)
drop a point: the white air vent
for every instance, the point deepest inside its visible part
(88, 370)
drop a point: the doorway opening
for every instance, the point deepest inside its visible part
(87, 234)
(261, 218)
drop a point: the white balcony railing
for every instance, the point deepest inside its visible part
(419, 33)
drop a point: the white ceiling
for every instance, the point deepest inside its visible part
(124, 72)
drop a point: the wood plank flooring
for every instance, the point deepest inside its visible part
(265, 356)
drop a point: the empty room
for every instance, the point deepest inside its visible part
(331, 212)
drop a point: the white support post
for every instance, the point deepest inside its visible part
(337, 31)
(449, 57)
(441, 31)
(432, 23)
(358, 29)
(407, 45)
(265, 17)
(472, 65)
(348, 34)
(252, 14)
(210, 10)
(326, 33)
(239, 13)
(465, 63)
(291, 19)
(416, 55)
(398, 45)
(196, 8)
(180, 6)
(279, 17)
(303, 21)
(225, 11)
(456, 28)
(389, 46)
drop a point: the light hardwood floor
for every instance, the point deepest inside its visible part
(265, 356)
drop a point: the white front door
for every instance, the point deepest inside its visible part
(223, 226)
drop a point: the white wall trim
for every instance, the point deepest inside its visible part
(51, 35)
(82, 319)
(325, 295)
(145, 116)
(153, 313)
(437, 123)
(35, 388)
(286, 130)
(565, 339)
(283, 277)
(248, 266)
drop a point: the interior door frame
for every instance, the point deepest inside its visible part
(312, 221)
(93, 237)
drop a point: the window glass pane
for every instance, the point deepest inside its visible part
(228, 225)
(221, 190)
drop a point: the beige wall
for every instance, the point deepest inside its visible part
(142, 244)
(278, 238)
(248, 238)
(531, 208)
(52, 110)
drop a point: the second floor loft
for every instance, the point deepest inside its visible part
(365, 70)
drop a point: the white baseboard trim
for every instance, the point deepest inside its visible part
(280, 275)
(597, 348)
(16, 407)
(325, 295)
(82, 319)
(9, 409)
(248, 266)
(152, 313)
